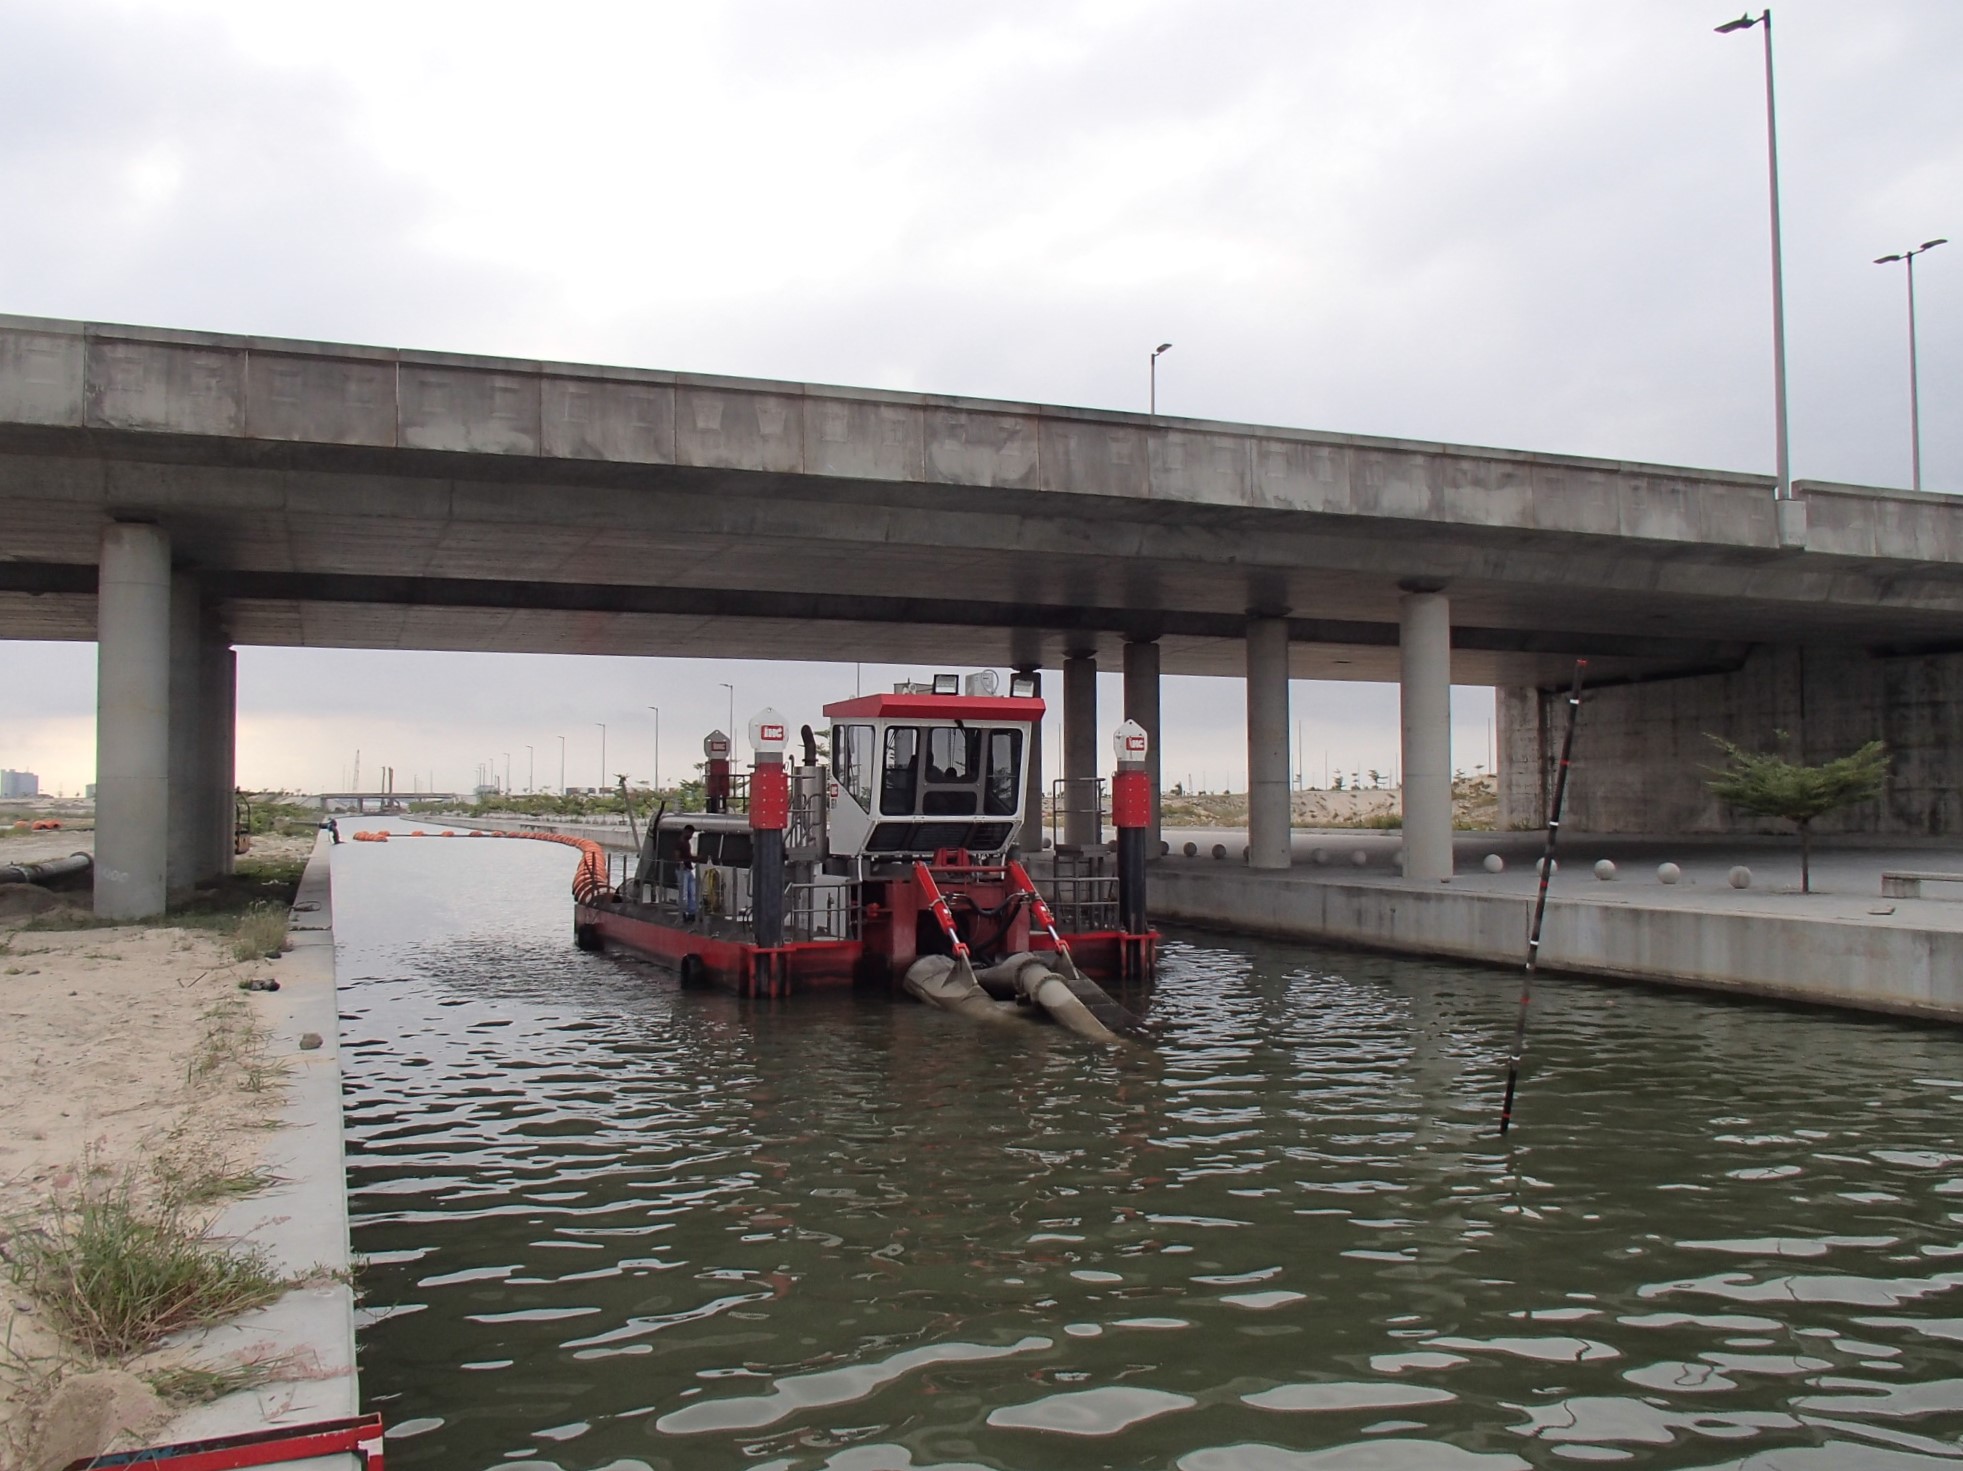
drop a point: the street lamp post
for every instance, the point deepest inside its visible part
(1154, 400)
(603, 753)
(531, 772)
(732, 712)
(562, 766)
(1784, 490)
(1907, 257)
(657, 746)
(507, 773)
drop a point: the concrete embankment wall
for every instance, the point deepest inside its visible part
(301, 1221)
(1641, 750)
(1876, 966)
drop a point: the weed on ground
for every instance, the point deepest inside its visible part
(116, 1273)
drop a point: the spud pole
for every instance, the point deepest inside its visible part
(1540, 899)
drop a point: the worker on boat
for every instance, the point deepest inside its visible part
(685, 870)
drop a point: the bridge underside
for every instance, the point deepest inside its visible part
(307, 545)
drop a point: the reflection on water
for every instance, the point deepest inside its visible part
(612, 1225)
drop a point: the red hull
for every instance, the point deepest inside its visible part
(748, 970)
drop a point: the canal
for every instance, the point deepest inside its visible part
(608, 1224)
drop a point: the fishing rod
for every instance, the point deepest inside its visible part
(1540, 901)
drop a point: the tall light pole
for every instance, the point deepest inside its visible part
(657, 746)
(603, 753)
(1784, 489)
(1907, 257)
(1161, 348)
(507, 773)
(732, 713)
(562, 766)
(531, 772)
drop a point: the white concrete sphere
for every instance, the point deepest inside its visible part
(1542, 863)
(1493, 863)
(1246, 852)
(1359, 857)
(1604, 870)
(1668, 873)
(1318, 855)
(1164, 847)
(1739, 877)
(1219, 850)
(1191, 850)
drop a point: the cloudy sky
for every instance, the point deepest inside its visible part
(1528, 223)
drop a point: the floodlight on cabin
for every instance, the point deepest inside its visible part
(1022, 686)
(947, 684)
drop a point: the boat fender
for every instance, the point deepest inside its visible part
(586, 937)
(943, 981)
(1052, 993)
(694, 972)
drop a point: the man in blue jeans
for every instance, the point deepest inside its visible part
(685, 870)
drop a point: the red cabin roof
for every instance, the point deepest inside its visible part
(938, 707)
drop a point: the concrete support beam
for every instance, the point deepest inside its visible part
(1267, 743)
(218, 729)
(1425, 663)
(1031, 840)
(1080, 738)
(132, 739)
(186, 834)
(1142, 705)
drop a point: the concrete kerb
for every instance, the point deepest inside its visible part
(302, 1221)
(1887, 963)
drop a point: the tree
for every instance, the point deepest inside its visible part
(1772, 786)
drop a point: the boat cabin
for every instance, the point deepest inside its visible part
(912, 774)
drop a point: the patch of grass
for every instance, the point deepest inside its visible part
(200, 1384)
(261, 930)
(116, 1274)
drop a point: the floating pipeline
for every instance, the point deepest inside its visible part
(589, 879)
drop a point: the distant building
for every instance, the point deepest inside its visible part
(19, 784)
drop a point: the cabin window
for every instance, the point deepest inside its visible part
(852, 762)
(953, 775)
(1004, 790)
(901, 777)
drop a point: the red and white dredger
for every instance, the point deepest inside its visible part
(888, 863)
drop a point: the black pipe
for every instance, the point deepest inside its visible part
(767, 887)
(45, 871)
(1131, 880)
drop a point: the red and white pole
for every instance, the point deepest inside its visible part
(715, 774)
(770, 814)
(1131, 811)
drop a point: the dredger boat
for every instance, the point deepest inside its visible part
(891, 861)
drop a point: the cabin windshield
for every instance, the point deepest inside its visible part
(950, 771)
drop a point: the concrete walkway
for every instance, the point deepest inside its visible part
(1844, 945)
(302, 1221)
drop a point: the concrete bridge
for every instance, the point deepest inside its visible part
(173, 494)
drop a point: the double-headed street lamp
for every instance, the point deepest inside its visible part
(1784, 490)
(732, 713)
(1154, 364)
(657, 746)
(603, 753)
(1907, 257)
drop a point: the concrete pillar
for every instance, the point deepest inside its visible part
(1031, 840)
(1267, 743)
(1080, 745)
(218, 729)
(1425, 650)
(1142, 705)
(132, 721)
(185, 843)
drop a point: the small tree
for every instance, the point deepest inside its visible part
(1772, 786)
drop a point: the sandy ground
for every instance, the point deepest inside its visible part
(122, 1052)
(35, 847)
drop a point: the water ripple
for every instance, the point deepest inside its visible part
(609, 1225)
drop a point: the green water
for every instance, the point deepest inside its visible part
(611, 1225)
